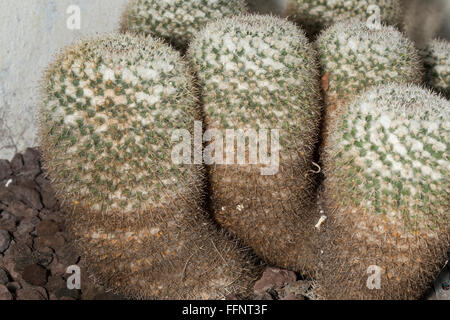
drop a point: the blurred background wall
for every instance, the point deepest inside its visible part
(424, 19)
(32, 31)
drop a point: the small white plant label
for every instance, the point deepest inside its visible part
(374, 20)
(374, 280)
(74, 281)
(74, 20)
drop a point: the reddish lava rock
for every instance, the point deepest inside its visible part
(273, 278)
(4, 293)
(47, 228)
(5, 169)
(35, 275)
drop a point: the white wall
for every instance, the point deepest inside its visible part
(31, 32)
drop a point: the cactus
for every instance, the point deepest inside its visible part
(355, 56)
(315, 15)
(437, 65)
(109, 107)
(386, 189)
(176, 20)
(258, 72)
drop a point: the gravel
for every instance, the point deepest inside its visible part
(34, 251)
(5, 240)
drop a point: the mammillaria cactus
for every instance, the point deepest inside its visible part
(177, 20)
(355, 56)
(110, 106)
(437, 65)
(256, 73)
(315, 15)
(386, 189)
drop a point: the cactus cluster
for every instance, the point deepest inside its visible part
(176, 20)
(386, 188)
(258, 72)
(354, 57)
(315, 15)
(437, 65)
(110, 106)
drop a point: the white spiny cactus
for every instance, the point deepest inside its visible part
(177, 20)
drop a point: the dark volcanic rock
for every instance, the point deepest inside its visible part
(21, 262)
(48, 196)
(31, 166)
(47, 228)
(108, 296)
(55, 242)
(3, 277)
(26, 227)
(35, 275)
(5, 169)
(32, 159)
(55, 283)
(54, 215)
(273, 278)
(17, 163)
(20, 210)
(295, 290)
(13, 286)
(5, 240)
(44, 258)
(67, 293)
(8, 221)
(27, 195)
(6, 197)
(4, 293)
(31, 293)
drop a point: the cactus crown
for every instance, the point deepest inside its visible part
(358, 57)
(389, 155)
(177, 20)
(257, 72)
(437, 63)
(317, 14)
(107, 105)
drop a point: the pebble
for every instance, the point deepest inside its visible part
(17, 163)
(55, 242)
(47, 228)
(5, 240)
(13, 286)
(43, 258)
(55, 283)
(20, 210)
(67, 293)
(5, 169)
(26, 227)
(8, 221)
(31, 159)
(273, 278)
(35, 275)
(27, 195)
(48, 196)
(4, 293)
(3, 277)
(31, 293)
